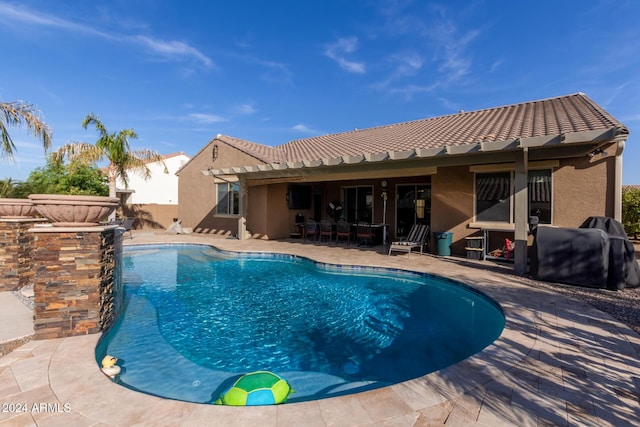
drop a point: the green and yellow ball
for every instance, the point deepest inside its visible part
(256, 388)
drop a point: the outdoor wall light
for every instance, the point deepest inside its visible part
(596, 152)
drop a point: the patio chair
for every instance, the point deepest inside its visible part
(365, 234)
(127, 223)
(310, 230)
(417, 238)
(343, 231)
(326, 230)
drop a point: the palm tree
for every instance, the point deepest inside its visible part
(15, 114)
(113, 147)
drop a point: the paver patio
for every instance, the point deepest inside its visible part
(559, 361)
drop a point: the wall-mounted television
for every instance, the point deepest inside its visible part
(299, 196)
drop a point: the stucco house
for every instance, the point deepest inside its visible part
(477, 173)
(154, 201)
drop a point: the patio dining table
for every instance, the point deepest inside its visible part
(378, 230)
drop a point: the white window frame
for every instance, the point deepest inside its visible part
(229, 207)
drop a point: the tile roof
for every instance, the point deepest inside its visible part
(554, 116)
(264, 153)
(176, 154)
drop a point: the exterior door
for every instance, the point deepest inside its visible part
(413, 206)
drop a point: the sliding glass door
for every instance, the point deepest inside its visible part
(413, 206)
(358, 204)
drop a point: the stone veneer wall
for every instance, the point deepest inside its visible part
(16, 245)
(74, 276)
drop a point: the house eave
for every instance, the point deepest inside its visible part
(473, 149)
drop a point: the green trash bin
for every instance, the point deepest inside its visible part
(443, 242)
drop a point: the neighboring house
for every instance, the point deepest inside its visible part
(468, 173)
(153, 201)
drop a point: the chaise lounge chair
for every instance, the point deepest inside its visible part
(417, 238)
(127, 223)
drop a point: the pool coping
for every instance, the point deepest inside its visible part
(558, 361)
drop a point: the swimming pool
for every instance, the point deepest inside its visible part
(194, 318)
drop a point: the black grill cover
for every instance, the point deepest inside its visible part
(571, 255)
(623, 266)
(604, 223)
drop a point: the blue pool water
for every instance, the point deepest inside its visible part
(194, 319)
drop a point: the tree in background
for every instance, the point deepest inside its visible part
(631, 210)
(17, 113)
(14, 189)
(58, 178)
(114, 148)
(78, 178)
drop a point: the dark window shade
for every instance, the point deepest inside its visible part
(493, 186)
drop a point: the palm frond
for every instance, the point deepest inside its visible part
(92, 119)
(17, 113)
(140, 160)
(6, 146)
(80, 151)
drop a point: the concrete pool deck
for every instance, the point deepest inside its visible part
(559, 361)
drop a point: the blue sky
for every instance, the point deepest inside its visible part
(180, 72)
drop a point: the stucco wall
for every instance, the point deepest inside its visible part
(452, 204)
(161, 187)
(197, 193)
(280, 218)
(583, 187)
(257, 212)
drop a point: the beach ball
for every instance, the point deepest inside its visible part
(256, 388)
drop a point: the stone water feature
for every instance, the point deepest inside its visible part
(73, 271)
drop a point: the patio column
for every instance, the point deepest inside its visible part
(521, 220)
(242, 221)
(617, 183)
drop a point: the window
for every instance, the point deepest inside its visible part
(358, 204)
(494, 194)
(228, 199)
(540, 195)
(493, 191)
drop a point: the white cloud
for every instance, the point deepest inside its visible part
(337, 51)
(497, 64)
(172, 50)
(438, 47)
(244, 109)
(274, 72)
(451, 51)
(206, 118)
(411, 89)
(21, 16)
(304, 129)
